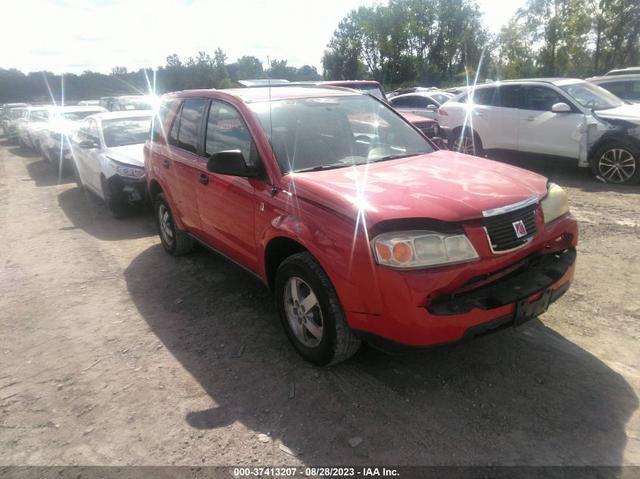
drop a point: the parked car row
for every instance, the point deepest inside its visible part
(103, 149)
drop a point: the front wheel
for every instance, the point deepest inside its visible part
(115, 200)
(468, 143)
(311, 313)
(616, 162)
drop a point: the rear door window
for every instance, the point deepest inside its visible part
(510, 96)
(413, 101)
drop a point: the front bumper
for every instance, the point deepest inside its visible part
(442, 305)
(130, 190)
(446, 134)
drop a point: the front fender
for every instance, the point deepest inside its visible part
(343, 253)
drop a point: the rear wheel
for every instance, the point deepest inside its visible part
(468, 143)
(311, 313)
(174, 241)
(616, 162)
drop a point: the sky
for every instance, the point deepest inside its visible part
(77, 35)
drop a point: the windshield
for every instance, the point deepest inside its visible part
(78, 115)
(336, 131)
(39, 115)
(592, 96)
(126, 131)
(440, 97)
(16, 113)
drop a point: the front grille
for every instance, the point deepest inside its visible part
(502, 233)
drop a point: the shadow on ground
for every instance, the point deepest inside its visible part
(44, 173)
(525, 396)
(88, 212)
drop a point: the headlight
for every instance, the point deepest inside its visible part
(555, 204)
(127, 170)
(421, 249)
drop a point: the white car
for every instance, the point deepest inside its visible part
(55, 136)
(107, 154)
(559, 118)
(420, 103)
(129, 102)
(33, 121)
(626, 87)
(10, 122)
(623, 71)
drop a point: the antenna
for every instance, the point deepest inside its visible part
(270, 120)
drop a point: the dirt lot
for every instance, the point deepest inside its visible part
(112, 352)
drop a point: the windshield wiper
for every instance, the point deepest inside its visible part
(397, 156)
(327, 167)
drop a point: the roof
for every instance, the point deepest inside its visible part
(250, 95)
(426, 94)
(615, 78)
(348, 82)
(67, 108)
(41, 107)
(116, 115)
(559, 81)
(263, 82)
(620, 71)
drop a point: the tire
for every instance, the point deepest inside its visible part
(332, 340)
(616, 162)
(469, 143)
(116, 202)
(179, 243)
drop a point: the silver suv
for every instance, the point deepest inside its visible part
(626, 87)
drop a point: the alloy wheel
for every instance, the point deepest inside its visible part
(303, 312)
(617, 165)
(465, 145)
(166, 224)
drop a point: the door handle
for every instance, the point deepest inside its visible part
(531, 118)
(166, 163)
(478, 113)
(204, 179)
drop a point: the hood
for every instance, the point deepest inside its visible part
(623, 112)
(63, 127)
(442, 185)
(127, 154)
(413, 118)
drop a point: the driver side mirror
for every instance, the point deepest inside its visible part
(560, 107)
(230, 162)
(431, 107)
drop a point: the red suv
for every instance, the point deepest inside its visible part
(360, 226)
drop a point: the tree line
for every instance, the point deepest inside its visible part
(199, 71)
(440, 42)
(426, 42)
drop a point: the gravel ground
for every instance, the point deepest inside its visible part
(114, 353)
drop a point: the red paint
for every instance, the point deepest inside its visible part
(331, 213)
